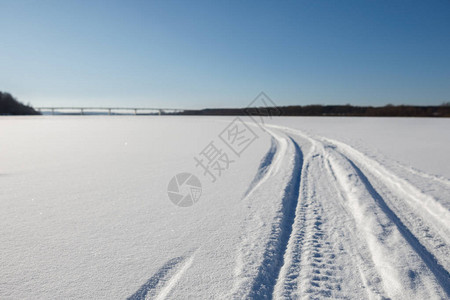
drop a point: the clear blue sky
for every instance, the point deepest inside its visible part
(202, 54)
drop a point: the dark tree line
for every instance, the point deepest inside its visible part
(333, 110)
(10, 106)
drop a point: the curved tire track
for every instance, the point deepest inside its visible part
(441, 274)
(162, 282)
(267, 276)
(405, 266)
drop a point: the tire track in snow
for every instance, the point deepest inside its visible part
(438, 178)
(378, 251)
(434, 209)
(264, 208)
(162, 282)
(165, 291)
(441, 274)
(406, 267)
(320, 251)
(425, 217)
(387, 237)
(264, 167)
(310, 268)
(273, 257)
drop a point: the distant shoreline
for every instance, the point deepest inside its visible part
(441, 111)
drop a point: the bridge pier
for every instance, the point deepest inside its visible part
(109, 111)
(135, 111)
(53, 111)
(81, 111)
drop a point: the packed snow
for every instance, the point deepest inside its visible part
(288, 208)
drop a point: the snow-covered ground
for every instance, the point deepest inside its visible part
(297, 208)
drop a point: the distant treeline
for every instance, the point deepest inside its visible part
(10, 106)
(331, 110)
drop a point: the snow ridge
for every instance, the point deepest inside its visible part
(265, 281)
(163, 281)
(264, 166)
(438, 270)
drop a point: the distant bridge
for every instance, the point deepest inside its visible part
(109, 110)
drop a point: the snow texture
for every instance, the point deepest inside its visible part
(313, 208)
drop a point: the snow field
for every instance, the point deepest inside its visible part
(307, 211)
